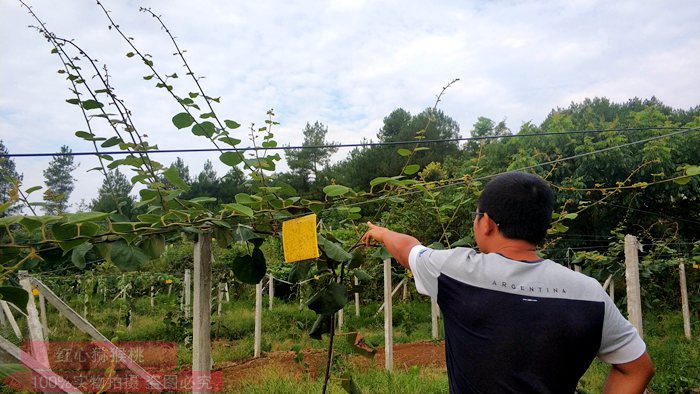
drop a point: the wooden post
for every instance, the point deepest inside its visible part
(271, 289)
(228, 299)
(102, 341)
(611, 290)
(388, 322)
(170, 289)
(634, 299)
(201, 323)
(404, 291)
(357, 299)
(434, 313)
(607, 282)
(42, 312)
(86, 300)
(152, 295)
(188, 284)
(341, 315)
(36, 331)
(396, 289)
(3, 322)
(11, 319)
(577, 268)
(258, 319)
(219, 300)
(684, 300)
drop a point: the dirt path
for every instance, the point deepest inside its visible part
(422, 354)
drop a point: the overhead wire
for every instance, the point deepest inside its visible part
(353, 145)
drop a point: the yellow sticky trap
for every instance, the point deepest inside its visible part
(299, 239)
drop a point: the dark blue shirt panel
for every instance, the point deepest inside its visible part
(499, 342)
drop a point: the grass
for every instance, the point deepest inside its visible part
(414, 381)
(287, 326)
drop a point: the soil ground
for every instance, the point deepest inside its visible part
(425, 354)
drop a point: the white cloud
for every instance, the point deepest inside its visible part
(344, 63)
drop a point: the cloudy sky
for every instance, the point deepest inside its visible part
(344, 63)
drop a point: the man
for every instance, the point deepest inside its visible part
(516, 323)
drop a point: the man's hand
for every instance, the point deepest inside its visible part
(399, 245)
(373, 233)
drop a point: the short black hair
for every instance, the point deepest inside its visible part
(521, 205)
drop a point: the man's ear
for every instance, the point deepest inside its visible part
(490, 226)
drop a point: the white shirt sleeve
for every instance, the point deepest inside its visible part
(425, 266)
(620, 343)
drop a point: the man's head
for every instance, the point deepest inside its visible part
(520, 204)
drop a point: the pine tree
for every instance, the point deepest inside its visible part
(59, 181)
(8, 178)
(114, 195)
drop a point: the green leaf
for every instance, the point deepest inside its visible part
(154, 246)
(358, 345)
(78, 254)
(242, 209)
(173, 176)
(561, 228)
(335, 190)
(230, 141)
(358, 257)
(84, 135)
(231, 124)
(73, 101)
(404, 152)
(199, 200)
(349, 385)
(411, 169)
(81, 217)
(571, 216)
(231, 158)
(30, 223)
(692, 170)
(333, 250)
(15, 295)
(362, 275)
(32, 189)
(682, 181)
(206, 129)
(250, 269)
(321, 326)
(127, 257)
(244, 233)
(379, 181)
(183, 120)
(130, 54)
(223, 236)
(91, 104)
(243, 198)
(69, 245)
(62, 232)
(112, 141)
(104, 250)
(329, 300)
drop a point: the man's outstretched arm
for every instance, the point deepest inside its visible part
(398, 244)
(631, 377)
